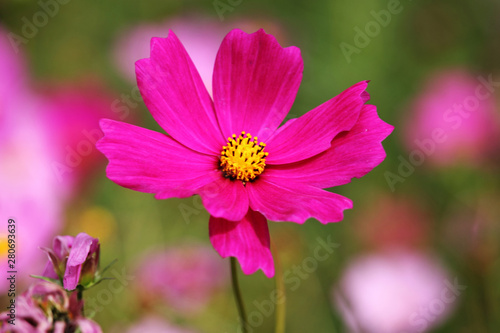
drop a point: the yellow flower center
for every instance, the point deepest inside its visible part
(243, 158)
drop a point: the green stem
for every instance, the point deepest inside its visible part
(79, 296)
(280, 289)
(237, 296)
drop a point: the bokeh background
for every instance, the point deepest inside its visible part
(419, 251)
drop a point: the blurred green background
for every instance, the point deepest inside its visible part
(423, 37)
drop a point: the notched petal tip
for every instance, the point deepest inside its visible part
(176, 97)
(281, 199)
(156, 40)
(106, 126)
(318, 127)
(255, 82)
(247, 240)
(268, 270)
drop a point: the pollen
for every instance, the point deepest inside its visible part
(243, 158)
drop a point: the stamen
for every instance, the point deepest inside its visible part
(243, 158)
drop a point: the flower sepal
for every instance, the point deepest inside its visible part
(94, 278)
(44, 278)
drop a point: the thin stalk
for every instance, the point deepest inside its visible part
(280, 289)
(237, 296)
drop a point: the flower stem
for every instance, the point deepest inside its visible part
(280, 289)
(79, 297)
(237, 296)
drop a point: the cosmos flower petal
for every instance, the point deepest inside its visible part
(59, 327)
(187, 188)
(88, 326)
(176, 97)
(82, 246)
(255, 83)
(312, 133)
(248, 240)
(62, 244)
(60, 247)
(25, 308)
(295, 202)
(49, 266)
(148, 161)
(352, 154)
(224, 198)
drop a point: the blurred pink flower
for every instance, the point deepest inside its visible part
(28, 193)
(73, 260)
(255, 84)
(454, 119)
(46, 308)
(395, 292)
(184, 277)
(155, 325)
(70, 114)
(201, 36)
(36, 132)
(393, 222)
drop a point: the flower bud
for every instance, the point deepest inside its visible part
(74, 261)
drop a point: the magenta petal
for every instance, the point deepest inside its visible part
(352, 154)
(255, 83)
(176, 97)
(88, 326)
(59, 327)
(295, 202)
(49, 270)
(152, 162)
(224, 198)
(81, 248)
(62, 245)
(312, 133)
(247, 240)
(27, 313)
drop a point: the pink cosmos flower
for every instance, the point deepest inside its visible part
(74, 260)
(46, 308)
(454, 119)
(394, 292)
(229, 149)
(185, 277)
